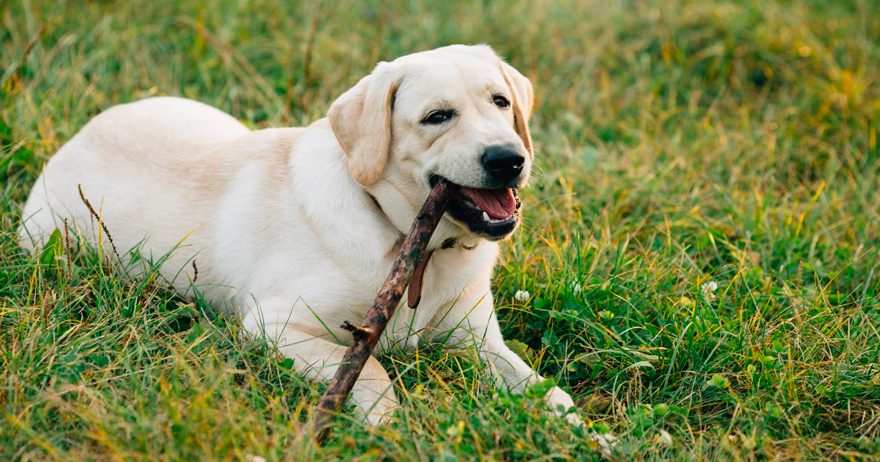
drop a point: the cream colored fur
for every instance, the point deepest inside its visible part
(281, 223)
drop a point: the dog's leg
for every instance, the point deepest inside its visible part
(318, 358)
(476, 324)
(514, 373)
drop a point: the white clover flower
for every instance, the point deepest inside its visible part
(663, 438)
(522, 295)
(708, 288)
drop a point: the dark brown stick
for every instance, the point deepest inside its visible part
(367, 334)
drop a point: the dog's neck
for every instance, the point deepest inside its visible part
(392, 203)
(414, 294)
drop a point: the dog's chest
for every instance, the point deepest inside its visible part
(454, 278)
(327, 293)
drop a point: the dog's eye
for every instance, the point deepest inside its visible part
(438, 117)
(500, 101)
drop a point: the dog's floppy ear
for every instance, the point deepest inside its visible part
(521, 101)
(361, 121)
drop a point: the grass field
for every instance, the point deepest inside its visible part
(682, 146)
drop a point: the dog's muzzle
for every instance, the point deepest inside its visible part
(492, 213)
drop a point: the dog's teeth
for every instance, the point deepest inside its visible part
(486, 217)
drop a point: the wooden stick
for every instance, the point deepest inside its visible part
(367, 334)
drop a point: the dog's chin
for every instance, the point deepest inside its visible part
(492, 214)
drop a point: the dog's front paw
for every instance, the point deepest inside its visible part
(374, 400)
(560, 402)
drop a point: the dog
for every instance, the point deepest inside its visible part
(295, 229)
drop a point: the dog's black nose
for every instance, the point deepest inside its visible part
(503, 163)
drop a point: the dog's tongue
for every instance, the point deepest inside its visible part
(498, 203)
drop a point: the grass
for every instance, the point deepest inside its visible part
(682, 145)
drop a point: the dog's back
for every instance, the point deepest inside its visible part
(153, 171)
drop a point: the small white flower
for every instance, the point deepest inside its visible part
(663, 438)
(253, 458)
(522, 295)
(606, 442)
(576, 288)
(708, 288)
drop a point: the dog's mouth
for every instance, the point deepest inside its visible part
(492, 213)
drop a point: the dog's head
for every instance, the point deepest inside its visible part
(457, 112)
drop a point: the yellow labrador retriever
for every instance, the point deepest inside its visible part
(296, 228)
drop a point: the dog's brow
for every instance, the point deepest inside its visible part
(493, 86)
(438, 105)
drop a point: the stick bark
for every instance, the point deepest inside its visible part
(366, 335)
